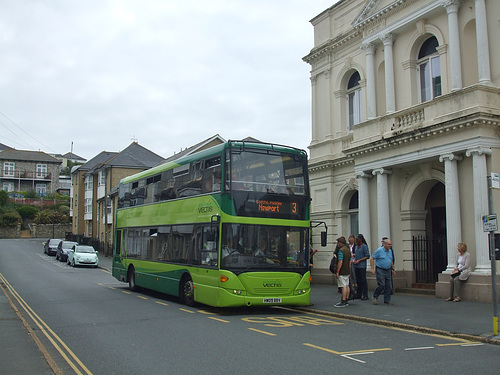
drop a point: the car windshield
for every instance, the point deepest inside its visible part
(85, 249)
(54, 242)
(68, 245)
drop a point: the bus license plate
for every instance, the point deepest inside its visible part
(271, 300)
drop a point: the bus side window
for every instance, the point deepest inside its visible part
(118, 247)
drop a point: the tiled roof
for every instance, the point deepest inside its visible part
(134, 156)
(22, 155)
(97, 160)
(193, 149)
(71, 156)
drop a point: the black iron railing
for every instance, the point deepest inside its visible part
(429, 257)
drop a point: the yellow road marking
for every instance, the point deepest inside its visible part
(218, 319)
(264, 332)
(344, 353)
(142, 297)
(162, 303)
(47, 331)
(206, 312)
(189, 311)
(126, 292)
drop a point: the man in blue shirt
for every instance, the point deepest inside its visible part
(383, 259)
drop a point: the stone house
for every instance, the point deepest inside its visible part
(23, 171)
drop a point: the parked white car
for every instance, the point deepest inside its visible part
(83, 255)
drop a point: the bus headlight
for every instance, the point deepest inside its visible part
(238, 292)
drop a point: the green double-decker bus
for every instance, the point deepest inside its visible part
(227, 226)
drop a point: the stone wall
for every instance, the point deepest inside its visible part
(50, 230)
(10, 232)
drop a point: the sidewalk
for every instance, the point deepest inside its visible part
(417, 312)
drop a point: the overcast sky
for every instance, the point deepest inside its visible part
(165, 73)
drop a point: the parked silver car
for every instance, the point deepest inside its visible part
(50, 247)
(83, 255)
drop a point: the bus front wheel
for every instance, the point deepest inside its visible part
(187, 291)
(131, 279)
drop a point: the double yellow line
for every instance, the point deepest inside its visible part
(55, 340)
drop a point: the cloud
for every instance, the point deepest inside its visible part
(169, 73)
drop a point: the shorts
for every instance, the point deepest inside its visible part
(343, 281)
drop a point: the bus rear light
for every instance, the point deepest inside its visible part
(224, 278)
(310, 278)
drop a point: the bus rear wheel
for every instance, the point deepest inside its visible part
(131, 279)
(187, 291)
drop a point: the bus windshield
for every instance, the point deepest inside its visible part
(267, 171)
(256, 247)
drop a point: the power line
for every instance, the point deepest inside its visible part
(17, 126)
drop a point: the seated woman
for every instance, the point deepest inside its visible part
(460, 274)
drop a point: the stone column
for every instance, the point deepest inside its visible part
(480, 190)
(383, 213)
(452, 7)
(364, 205)
(390, 97)
(371, 102)
(452, 197)
(483, 51)
(314, 79)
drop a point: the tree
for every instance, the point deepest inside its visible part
(3, 197)
(10, 219)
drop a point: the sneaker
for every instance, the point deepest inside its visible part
(389, 303)
(364, 298)
(341, 304)
(374, 300)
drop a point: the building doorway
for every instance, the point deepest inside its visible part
(429, 250)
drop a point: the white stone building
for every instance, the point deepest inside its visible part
(405, 132)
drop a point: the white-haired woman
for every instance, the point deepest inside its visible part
(460, 274)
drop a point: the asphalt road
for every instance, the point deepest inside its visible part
(87, 322)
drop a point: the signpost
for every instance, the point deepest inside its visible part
(490, 225)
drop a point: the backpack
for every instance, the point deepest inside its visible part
(333, 265)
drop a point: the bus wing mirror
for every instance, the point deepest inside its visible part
(323, 239)
(315, 224)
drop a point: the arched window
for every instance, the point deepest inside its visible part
(354, 100)
(429, 67)
(353, 214)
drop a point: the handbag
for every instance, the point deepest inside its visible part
(455, 274)
(333, 265)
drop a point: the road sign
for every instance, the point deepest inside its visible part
(490, 223)
(495, 181)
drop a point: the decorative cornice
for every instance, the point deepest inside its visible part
(363, 20)
(330, 164)
(331, 46)
(402, 139)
